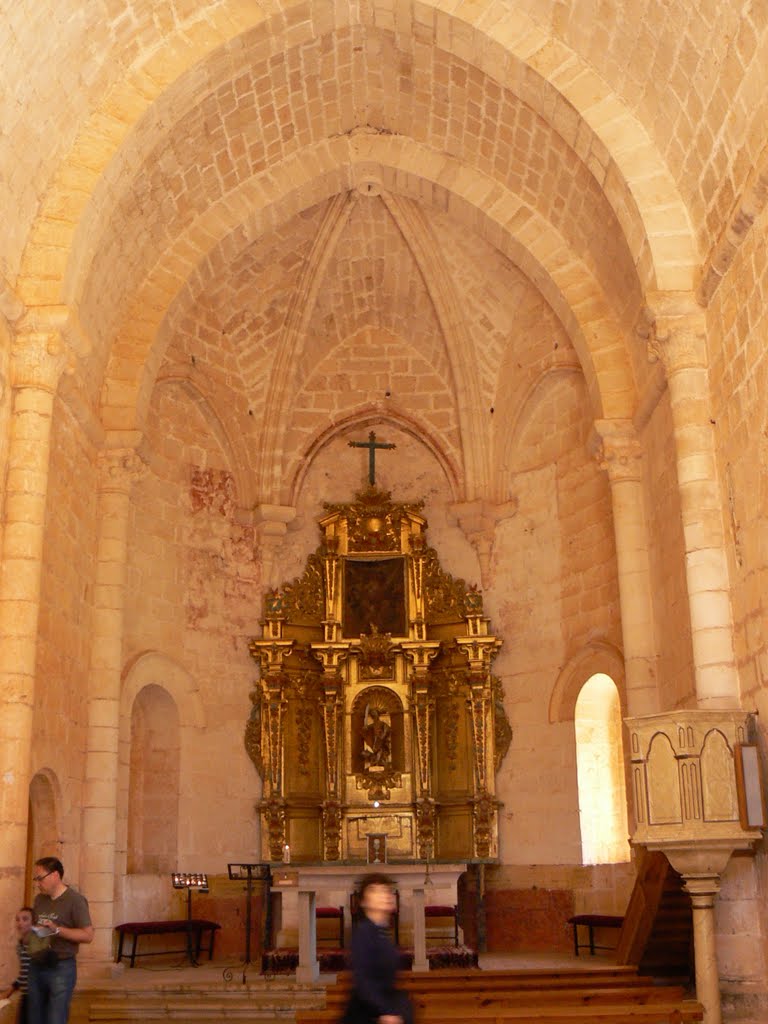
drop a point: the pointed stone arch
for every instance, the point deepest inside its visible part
(363, 418)
(212, 407)
(523, 408)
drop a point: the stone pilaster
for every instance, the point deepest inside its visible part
(119, 469)
(676, 335)
(38, 358)
(618, 452)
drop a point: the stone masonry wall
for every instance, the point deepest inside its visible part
(64, 652)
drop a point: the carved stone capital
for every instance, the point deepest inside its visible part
(120, 469)
(616, 448)
(38, 359)
(478, 520)
(271, 523)
(273, 520)
(47, 341)
(674, 328)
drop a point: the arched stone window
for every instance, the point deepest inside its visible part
(600, 767)
(153, 789)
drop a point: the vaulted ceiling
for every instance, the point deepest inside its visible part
(471, 196)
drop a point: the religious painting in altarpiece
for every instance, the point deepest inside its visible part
(376, 711)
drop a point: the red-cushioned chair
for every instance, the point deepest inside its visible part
(443, 911)
(332, 913)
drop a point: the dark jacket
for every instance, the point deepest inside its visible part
(374, 967)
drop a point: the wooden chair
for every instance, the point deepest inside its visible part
(440, 912)
(331, 913)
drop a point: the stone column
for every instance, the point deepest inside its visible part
(420, 961)
(38, 359)
(309, 968)
(118, 470)
(619, 453)
(703, 889)
(677, 336)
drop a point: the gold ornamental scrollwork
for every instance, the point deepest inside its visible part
(502, 730)
(274, 712)
(374, 521)
(446, 598)
(483, 817)
(423, 707)
(377, 655)
(253, 740)
(426, 820)
(332, 707)
(303, 600)
(378, 786)
(332, 811)
(478, 703)
(275, 818)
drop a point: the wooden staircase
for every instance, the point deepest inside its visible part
(657, 933)
(607, 995)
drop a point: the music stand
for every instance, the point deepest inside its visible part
(250, 873)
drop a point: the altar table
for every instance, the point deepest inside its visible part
(302, 887)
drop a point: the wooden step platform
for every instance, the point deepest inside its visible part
(606, 995)
(158, 1000)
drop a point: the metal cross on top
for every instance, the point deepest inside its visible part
(371, 444)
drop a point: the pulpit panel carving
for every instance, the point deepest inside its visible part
(718, 769)
(664, 802)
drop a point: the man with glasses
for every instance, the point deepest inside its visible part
(62, 923)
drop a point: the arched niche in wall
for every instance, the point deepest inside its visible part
(153, 669)
(153, 787)
(43, 832)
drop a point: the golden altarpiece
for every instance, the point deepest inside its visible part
(377, 725)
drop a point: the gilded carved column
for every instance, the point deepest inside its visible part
(38, 359)
(619, 453)
(118, 470)
(677, 336)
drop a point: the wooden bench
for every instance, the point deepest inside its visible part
(193, 929)
(590, 922)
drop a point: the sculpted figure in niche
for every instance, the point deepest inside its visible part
(377, 741)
